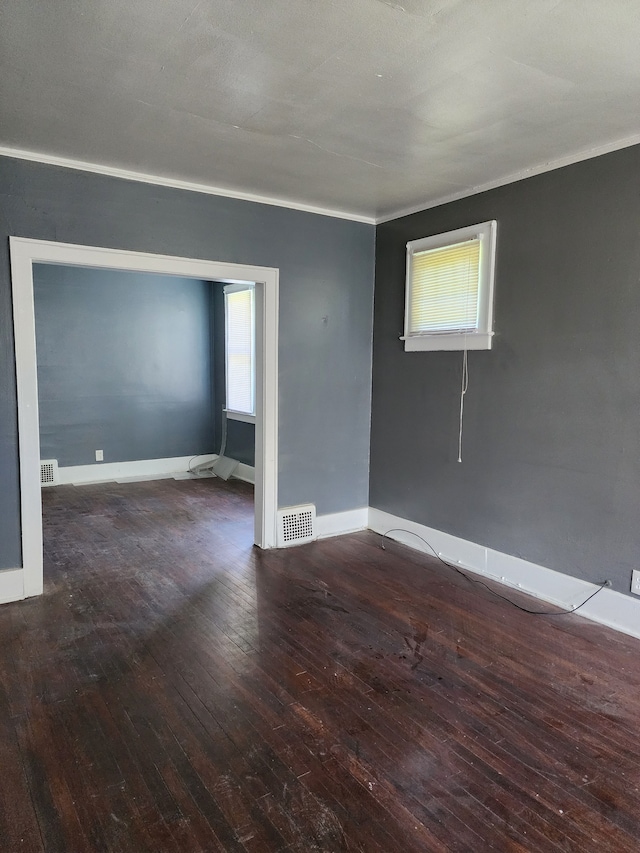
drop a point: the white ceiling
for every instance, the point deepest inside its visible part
(367, 107)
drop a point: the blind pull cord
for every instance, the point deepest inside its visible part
(465, 369)
(463, 391)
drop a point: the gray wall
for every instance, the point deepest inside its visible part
(124, 365)
(326, 289)
(551, 469)
(241, 440)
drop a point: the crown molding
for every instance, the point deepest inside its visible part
(192, 186)
(547, 166)
(176, 183)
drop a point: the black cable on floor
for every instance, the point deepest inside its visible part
(601, 586)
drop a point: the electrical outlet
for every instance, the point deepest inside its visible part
(635, 581)
(100, 458)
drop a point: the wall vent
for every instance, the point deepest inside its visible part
(296, 524)
(49, 472)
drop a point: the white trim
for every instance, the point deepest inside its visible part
(178, 184)
(24, 253)
(148, 469)
(266, 437)
(180, 467)
(439, 343)
(608, 607)
(191, 186)
(337, 523)
(521, 175)
(11, 585)
(28, 422)
(246, 473)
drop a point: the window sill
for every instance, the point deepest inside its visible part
(457, 343)
(240, 416)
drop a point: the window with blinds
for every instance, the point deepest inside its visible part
(449, 290)
(239, 301)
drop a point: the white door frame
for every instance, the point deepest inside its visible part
(28, 581)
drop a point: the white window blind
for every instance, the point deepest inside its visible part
(449, 290)
(444, 289)
(240, 348)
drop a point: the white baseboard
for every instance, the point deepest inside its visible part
(244, 472)
(337, 523)
(147, 469)
(11, 585)
(143, 469)
(608, 607)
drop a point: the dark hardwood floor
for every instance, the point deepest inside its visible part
(176, 689)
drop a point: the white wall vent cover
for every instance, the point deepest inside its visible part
(296, 524)
(49, 472)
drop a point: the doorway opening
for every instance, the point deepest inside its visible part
(25, 253)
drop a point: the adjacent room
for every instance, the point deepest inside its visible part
(318, 436)
(141, 367)
(134, 368)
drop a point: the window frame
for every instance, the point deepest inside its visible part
(235, 414)
(480, 338)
